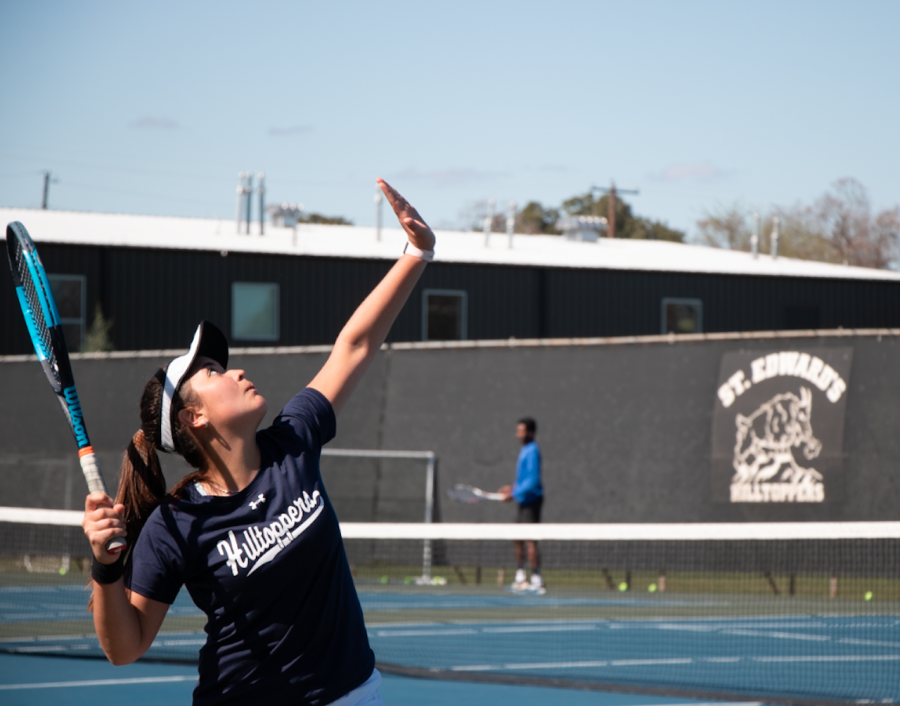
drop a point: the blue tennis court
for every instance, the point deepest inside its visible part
(48, 681)
(734, 654)
(66, 602)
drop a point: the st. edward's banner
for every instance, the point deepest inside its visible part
(778, 425)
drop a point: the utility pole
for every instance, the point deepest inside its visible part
(240, 200)
(754, 239)
(248, 199)
(611, 211)
(773, 242)
(489, 222)
(510, 223)
(262, 202)
(48, 179)
(378, 199)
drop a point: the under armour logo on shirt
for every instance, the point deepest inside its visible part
(259, 501)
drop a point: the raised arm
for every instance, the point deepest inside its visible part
(362, 336)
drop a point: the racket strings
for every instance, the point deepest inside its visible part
(34, 305)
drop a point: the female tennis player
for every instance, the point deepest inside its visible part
(251, 532)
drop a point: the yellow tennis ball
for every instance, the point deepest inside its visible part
(868, 596)
(384, 579)
(652, 588)
(623, 586)
(62, 571)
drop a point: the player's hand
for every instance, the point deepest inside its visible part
(418, 232)
(506, 491)
(102, 522)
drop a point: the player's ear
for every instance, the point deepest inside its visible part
(192, 419)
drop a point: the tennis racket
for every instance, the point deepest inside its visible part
(469, 494)
(42, 320)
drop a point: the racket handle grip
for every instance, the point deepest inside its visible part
(95, 484)
(91, 471)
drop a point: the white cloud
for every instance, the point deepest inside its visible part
(556, 168)
(291, 130)
(148, 122)
(702, 171)
(447, 177)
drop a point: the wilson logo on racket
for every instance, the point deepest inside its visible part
(71, 395)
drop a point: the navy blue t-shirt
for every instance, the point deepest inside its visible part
(268, 568)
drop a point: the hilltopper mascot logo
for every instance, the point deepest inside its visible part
(778, 424)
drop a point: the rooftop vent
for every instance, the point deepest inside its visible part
(285, 215)
(584, 228)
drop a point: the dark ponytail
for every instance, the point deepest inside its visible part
(142, 486)
(141, 483)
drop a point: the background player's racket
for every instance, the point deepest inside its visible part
(470, 495)
(42, 320)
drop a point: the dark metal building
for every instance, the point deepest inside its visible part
(271, 292)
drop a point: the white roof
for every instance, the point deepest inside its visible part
(123, 230)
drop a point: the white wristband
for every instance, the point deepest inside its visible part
(410, 249)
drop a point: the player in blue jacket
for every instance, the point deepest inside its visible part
(529, 494)
(250, 532)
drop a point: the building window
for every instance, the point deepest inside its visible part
(254, 311)
(682, 315)
(69, 292)
(444, 316)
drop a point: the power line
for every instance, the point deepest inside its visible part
(142, 194)
(187, 175)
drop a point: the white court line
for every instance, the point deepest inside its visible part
(572, 665)
(542, 628)
(856, 641)
(98, 682)
(653, 662)
(427, 633)
(70, 638)
(777, 635)
(835, 658)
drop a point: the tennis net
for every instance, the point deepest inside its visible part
(799, 613)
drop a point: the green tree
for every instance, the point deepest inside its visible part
(537, 219)
(627, 224)
(326, 220)
(843, 217)
(726, 227)
(839, 227)
(97, 338)
(534, 219)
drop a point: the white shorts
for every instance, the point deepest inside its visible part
(366, 694)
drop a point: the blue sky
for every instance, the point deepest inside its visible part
(154, 107)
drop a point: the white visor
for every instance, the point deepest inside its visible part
(208, 341)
